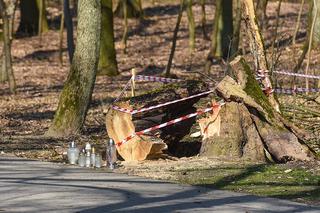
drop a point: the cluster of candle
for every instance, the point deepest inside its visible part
(88, 157)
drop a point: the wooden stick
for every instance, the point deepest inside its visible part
(133, 83)
(310, 42)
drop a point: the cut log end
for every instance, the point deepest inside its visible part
(120, 126)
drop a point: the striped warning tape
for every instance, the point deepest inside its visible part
(297, 90)
(297, 74)
(155, 79)
(262, 76)
(134, 111)
(169, 123)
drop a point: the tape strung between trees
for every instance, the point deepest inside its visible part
(247, 127)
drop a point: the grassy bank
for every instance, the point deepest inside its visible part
(296, 183)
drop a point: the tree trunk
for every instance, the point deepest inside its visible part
(29, 23)
(107, 60)
(191, 25)
(258, 50)
(225, 30)
(69, 26)
(261, 8)
(3, 71)
(7, 13)
(249, 128)
(298, 23)
(204, 19)
(133, 9)
(174, 39)
(120, 125)
(237, 28)
(222, 33)
(61, 36)
(316, 31)
(41, 7)
(76, 94)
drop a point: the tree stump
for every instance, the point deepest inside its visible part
(120, 125)
(249, 128)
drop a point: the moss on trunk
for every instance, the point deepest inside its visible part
(107, 61)
(76, 94)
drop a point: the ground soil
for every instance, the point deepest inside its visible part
(26, 116)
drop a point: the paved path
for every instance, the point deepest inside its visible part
(33, 186)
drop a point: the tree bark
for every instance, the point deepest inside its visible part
(107, 60)
(29, 23)
(77, 91)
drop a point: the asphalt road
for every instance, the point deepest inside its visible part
(34, 186)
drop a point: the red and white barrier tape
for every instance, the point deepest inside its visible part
(297, 90)
(156, 79)
(134, 111)
(169, 123)
(262, 76)
(297, 74)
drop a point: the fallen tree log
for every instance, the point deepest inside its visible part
(247, 127)
(251, 129)
(120, 125)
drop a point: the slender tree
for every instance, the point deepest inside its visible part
(222, 33)
(107, 61)
(77, 91)
(236, 27)
(133, 8)
(204, 19)
(174, 39)
(41, 6)
(261, 8)
(191, 24)
(298, 22)
(61, 36)
(6, 12)
(125, 26)
(69, 26)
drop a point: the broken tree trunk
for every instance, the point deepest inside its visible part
(248, 127)
(121, 125)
